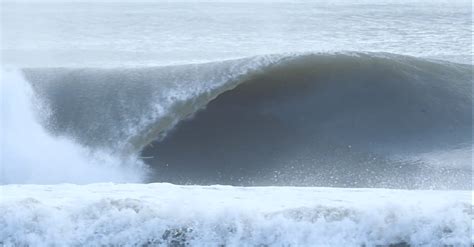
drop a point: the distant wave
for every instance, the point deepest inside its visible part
(268, 108)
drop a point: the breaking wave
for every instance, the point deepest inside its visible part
(30, 155)
(298, 119)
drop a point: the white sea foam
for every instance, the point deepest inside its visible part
(164, 214)
(31, 155)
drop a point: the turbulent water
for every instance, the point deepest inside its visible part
(287, 93)
(172, 215)
(31, 155)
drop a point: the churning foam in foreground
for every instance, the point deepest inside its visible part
(170, 215)
(31, 155)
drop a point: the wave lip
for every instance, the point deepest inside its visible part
(140, 103)
(144, 102)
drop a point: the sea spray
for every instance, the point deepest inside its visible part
(29, 154)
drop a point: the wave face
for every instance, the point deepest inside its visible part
(344, 119)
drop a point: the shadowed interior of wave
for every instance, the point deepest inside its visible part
(326, 123)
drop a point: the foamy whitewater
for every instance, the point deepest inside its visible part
(118, 119)
(172, 215)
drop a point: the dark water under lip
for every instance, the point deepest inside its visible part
(362, 126)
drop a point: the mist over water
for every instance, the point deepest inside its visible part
(29, 154)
